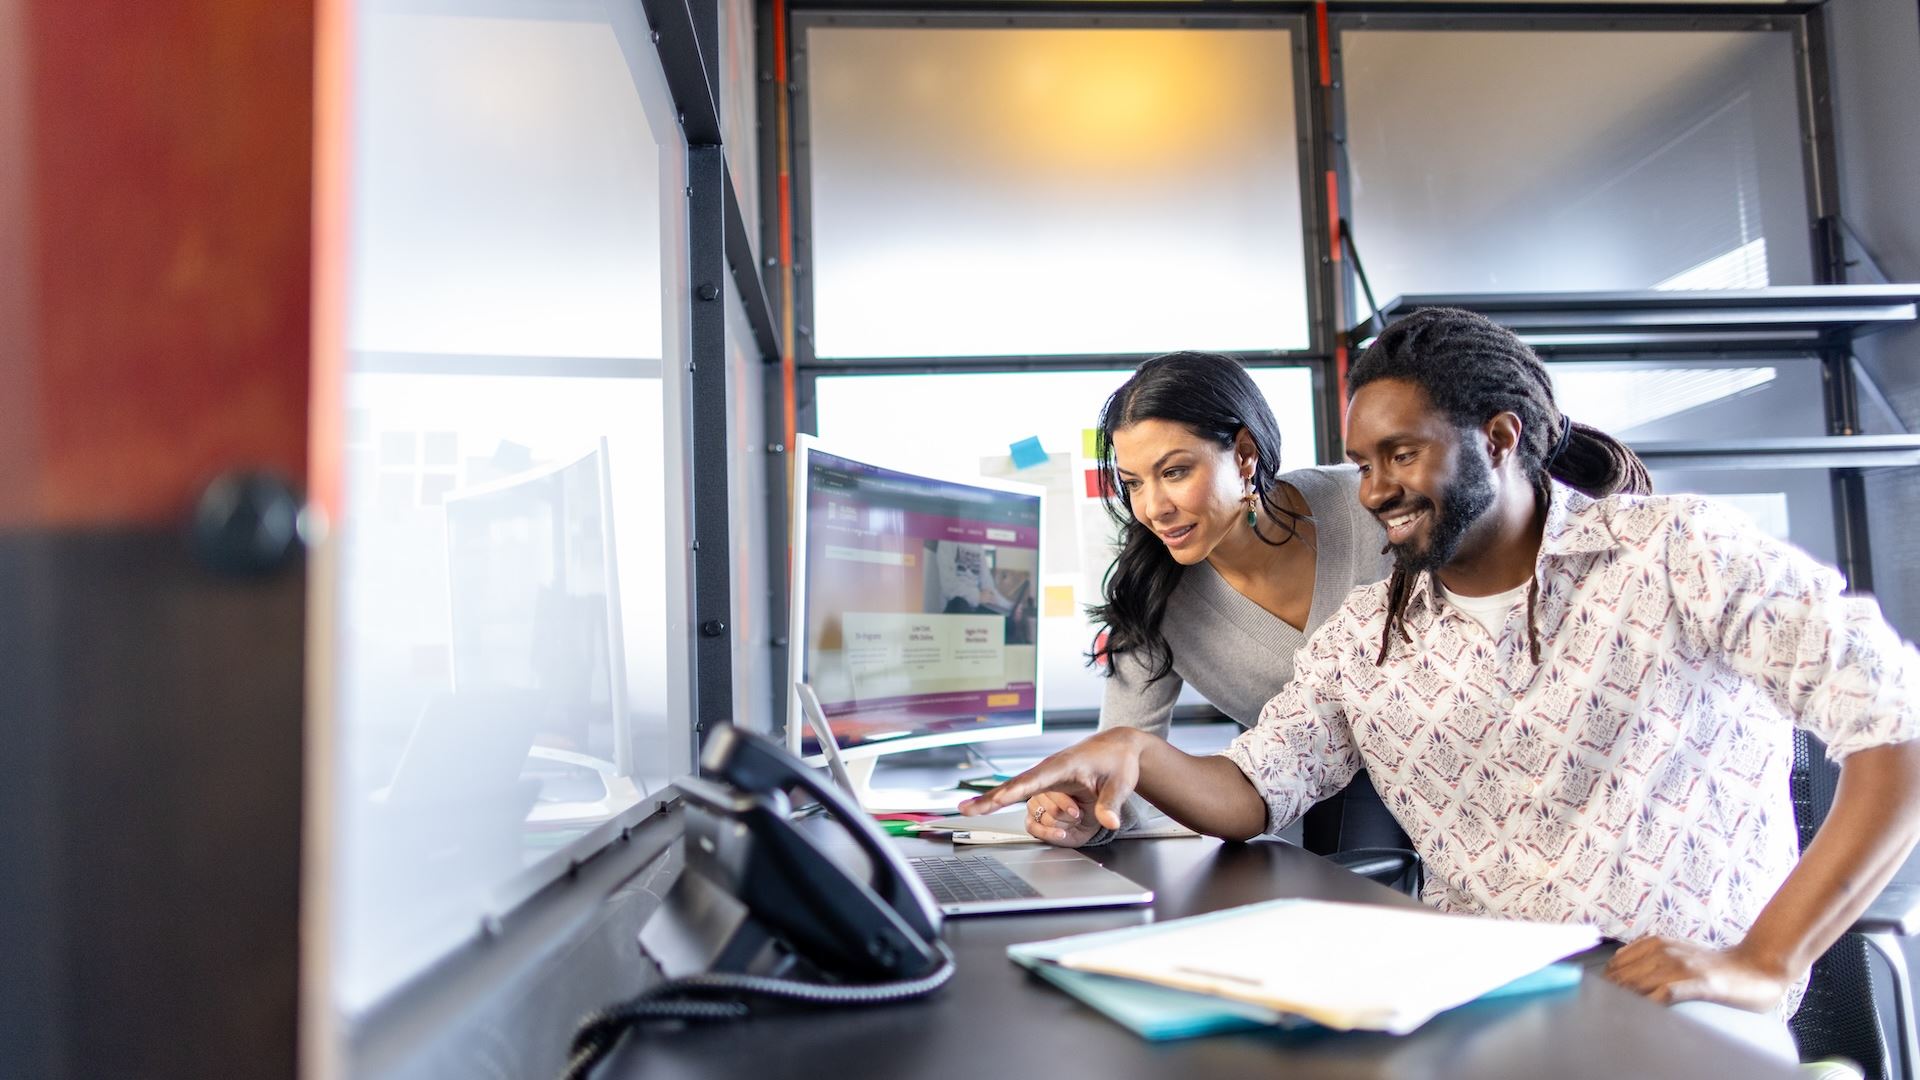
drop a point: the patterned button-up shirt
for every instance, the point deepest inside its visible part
(1636, 778)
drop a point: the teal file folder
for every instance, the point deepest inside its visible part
(1159, 1013)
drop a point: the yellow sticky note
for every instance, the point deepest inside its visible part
(1090, 443)
(1058, 602)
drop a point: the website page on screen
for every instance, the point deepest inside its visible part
(921, 605)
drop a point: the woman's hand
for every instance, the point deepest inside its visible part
(1081, 789)
(1057, 818)
(1076, 791)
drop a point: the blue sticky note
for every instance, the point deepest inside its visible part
(1027, 453)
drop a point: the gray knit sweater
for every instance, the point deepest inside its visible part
(1232, 650)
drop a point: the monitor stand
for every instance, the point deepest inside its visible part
(901, 800)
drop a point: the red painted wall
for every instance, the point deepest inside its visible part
(160, 158)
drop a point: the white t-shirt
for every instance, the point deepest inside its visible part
(1489, 611)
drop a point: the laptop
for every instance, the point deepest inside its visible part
(1028, 877)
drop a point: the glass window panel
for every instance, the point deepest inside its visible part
(962, 425)
(1520, 161)
(1697, 400)
(1795, 505)
(494, 211)
(749, 529)
(1693, 400)
(1049, 191)
(505, 682)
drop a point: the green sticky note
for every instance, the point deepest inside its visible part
(1090, 443)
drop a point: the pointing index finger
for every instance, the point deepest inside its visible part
(1032, 782)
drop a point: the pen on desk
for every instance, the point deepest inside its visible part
(1226, 976)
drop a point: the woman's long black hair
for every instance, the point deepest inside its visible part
(1215, 398)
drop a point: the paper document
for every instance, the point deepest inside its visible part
(971, 837)
(1345, 966)
(1162, 1012)
(1013, 822)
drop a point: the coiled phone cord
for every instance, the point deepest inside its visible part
(598, 1034)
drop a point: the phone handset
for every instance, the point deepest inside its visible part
(760, 895)
(759, 902)
(752, 763)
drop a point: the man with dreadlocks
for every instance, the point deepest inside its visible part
(1576, 697)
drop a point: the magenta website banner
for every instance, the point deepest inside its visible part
(1015, 698)
(918, 526)
(925, 714)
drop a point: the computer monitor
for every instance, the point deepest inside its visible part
(534, 607)
(913, 612)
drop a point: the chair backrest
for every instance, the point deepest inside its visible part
(1355, 818)
(1839, 1016)
(1355, 830)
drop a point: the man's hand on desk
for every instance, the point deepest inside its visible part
(1671, 971)
(1073, 793)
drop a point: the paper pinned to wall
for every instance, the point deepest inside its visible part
(1060, 530)
(1099, 533)
(1058, 602)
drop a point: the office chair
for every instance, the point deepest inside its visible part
(1840, 1015)
(1355, 831)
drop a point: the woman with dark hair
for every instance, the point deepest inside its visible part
(1226, 565)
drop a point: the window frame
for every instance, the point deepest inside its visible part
(1097, 17)
(1815, 121)
(1334, 288)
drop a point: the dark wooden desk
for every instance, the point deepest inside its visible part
(996, 1020)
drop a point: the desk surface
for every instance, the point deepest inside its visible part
(995, 1020)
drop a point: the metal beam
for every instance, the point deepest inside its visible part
(690, 71)
(1816, 452)
(1813, 315)
(707, 423)
(746, 275)
(1032, 362)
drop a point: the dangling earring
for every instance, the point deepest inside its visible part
(1252, 502)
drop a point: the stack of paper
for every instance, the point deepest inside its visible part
(1345, 966)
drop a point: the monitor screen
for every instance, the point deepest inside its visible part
(915, 605)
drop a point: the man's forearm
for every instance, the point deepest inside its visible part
(1208, 794)
(1868, 833)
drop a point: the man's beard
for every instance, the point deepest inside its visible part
(1465, 499)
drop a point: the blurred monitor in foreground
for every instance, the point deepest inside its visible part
(535, 618)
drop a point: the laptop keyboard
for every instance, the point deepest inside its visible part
(959, 878)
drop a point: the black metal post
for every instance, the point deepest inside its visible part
(1326, 198)
(707, 424)
(1850, 527)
